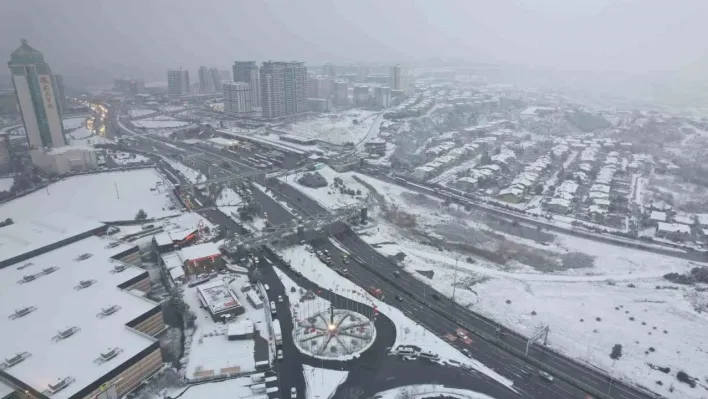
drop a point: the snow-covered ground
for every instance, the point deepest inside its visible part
(73, 123)
(322, 383)
(136, 113)
(160, 123)
(126, 158)
(101, 197)
(6, 183)
(229, 197)
(592, 295)
(227, 389)
(190, 174)
(429, 391)
(338, 128)
(210, 347)
(331, 197)
(407, 331)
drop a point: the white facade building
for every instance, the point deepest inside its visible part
(238, 98)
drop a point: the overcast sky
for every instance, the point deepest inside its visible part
(149, 36)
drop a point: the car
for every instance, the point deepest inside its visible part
(467, 353)
(546, 376)
(408, 358)
(436, 296)
(280, 354)
(461, 335)
(267, 287)
(280, 298)
(326, 252)
(397, 274)
(293, 393)
(309, 249)
(318, 252)
(399, 298)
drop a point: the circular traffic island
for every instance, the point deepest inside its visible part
(335, 334)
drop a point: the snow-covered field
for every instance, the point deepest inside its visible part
(160, 122)
(322, 383)
(73, 123)
(331, 197)
(227, 389)
(430, 391)
(338, 128)
(136, 113)
(407, 331)
(210, 347)
(594, 295)
(102, 197)
(6, 183)
(190, 174)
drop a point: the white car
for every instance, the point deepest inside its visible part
(280, 354)
(546, 376)
(467, 353)
(267, 287)
(280, 298)
(293, 393)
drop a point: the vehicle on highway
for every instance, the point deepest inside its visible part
(397, 274)
(267, 287)
(343, 272)
(461, 335)
(467, 353)
(272, 307)
(280, 298)
(293, 393)
(345, 259)
(376, 292)
(545, 376)
(399, 298)
(436, 296)
(280, 354)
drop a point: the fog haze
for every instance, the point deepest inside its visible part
(146, 37)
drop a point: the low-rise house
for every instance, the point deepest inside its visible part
(673, 231)
(512, 194)
(558, 205)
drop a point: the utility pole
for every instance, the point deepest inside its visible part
(116, 186)
(454, 281)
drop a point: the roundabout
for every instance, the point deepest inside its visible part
(335, 334)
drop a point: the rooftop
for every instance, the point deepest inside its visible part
(217, 296)
(199, 251)
(57, 303)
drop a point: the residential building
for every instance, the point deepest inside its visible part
(132, 86)
(216, 78)
(361, 96)
(341, 92)
(272, 86)
(319, 87)
(295, 88)
(206, 83)
(399, 79)
(375, 147)
(65, 159)
(225, 75)
(247, 72)
(329, 70)
(177, 82)
(382, 96)
(238, 98)
(58, 82)
(37, 97)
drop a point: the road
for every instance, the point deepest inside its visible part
(444, 316)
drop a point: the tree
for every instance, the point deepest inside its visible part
(141, 215)
(616, 352)
(538, 189)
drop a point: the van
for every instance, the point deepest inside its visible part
(272, 307)
(405, 351)
(429, 355)
(267, 287)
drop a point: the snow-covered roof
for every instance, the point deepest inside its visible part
(601, 202)
(512, 190)
(199, 251)
(657, 216)
(595, 209)
(673, 228)
(218, 296)
(171, 260)
(601, 188)
(683, 219)
(45, 229)
(162, 239)
(58, 305)
(559, 202)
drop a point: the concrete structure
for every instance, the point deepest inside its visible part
(382, 96)
(247, 72)
(238, 98)
(362, 97)
(177, 82)
(59, 90)
(127, 85)
(37, 97)
(66, 159)
(82, 301)
(399, 79)
(341, 92)
(4, 152)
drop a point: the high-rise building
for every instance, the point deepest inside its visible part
(319, 87)
(283, 89)
(206, 82)
(237, 98)
(361, 96)
(382, 96)
(329, 70)
(58, 81)
(398, 75)
(129, 85)
(295, 88)
(177, 82)
(247, 72)
(216, 79)
(37, 97)
(272, 85)
(225, 76)
(341, 92)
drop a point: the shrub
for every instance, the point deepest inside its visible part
(630, 285)
(631, 318)
(533, 313)
(508, 302)
(141, 215)
(685, 378)
(598, 319)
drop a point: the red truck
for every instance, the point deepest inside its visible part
(376, 292)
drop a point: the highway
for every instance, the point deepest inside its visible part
(444, 316)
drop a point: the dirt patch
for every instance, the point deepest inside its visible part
(577, 260)
(419, 199)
